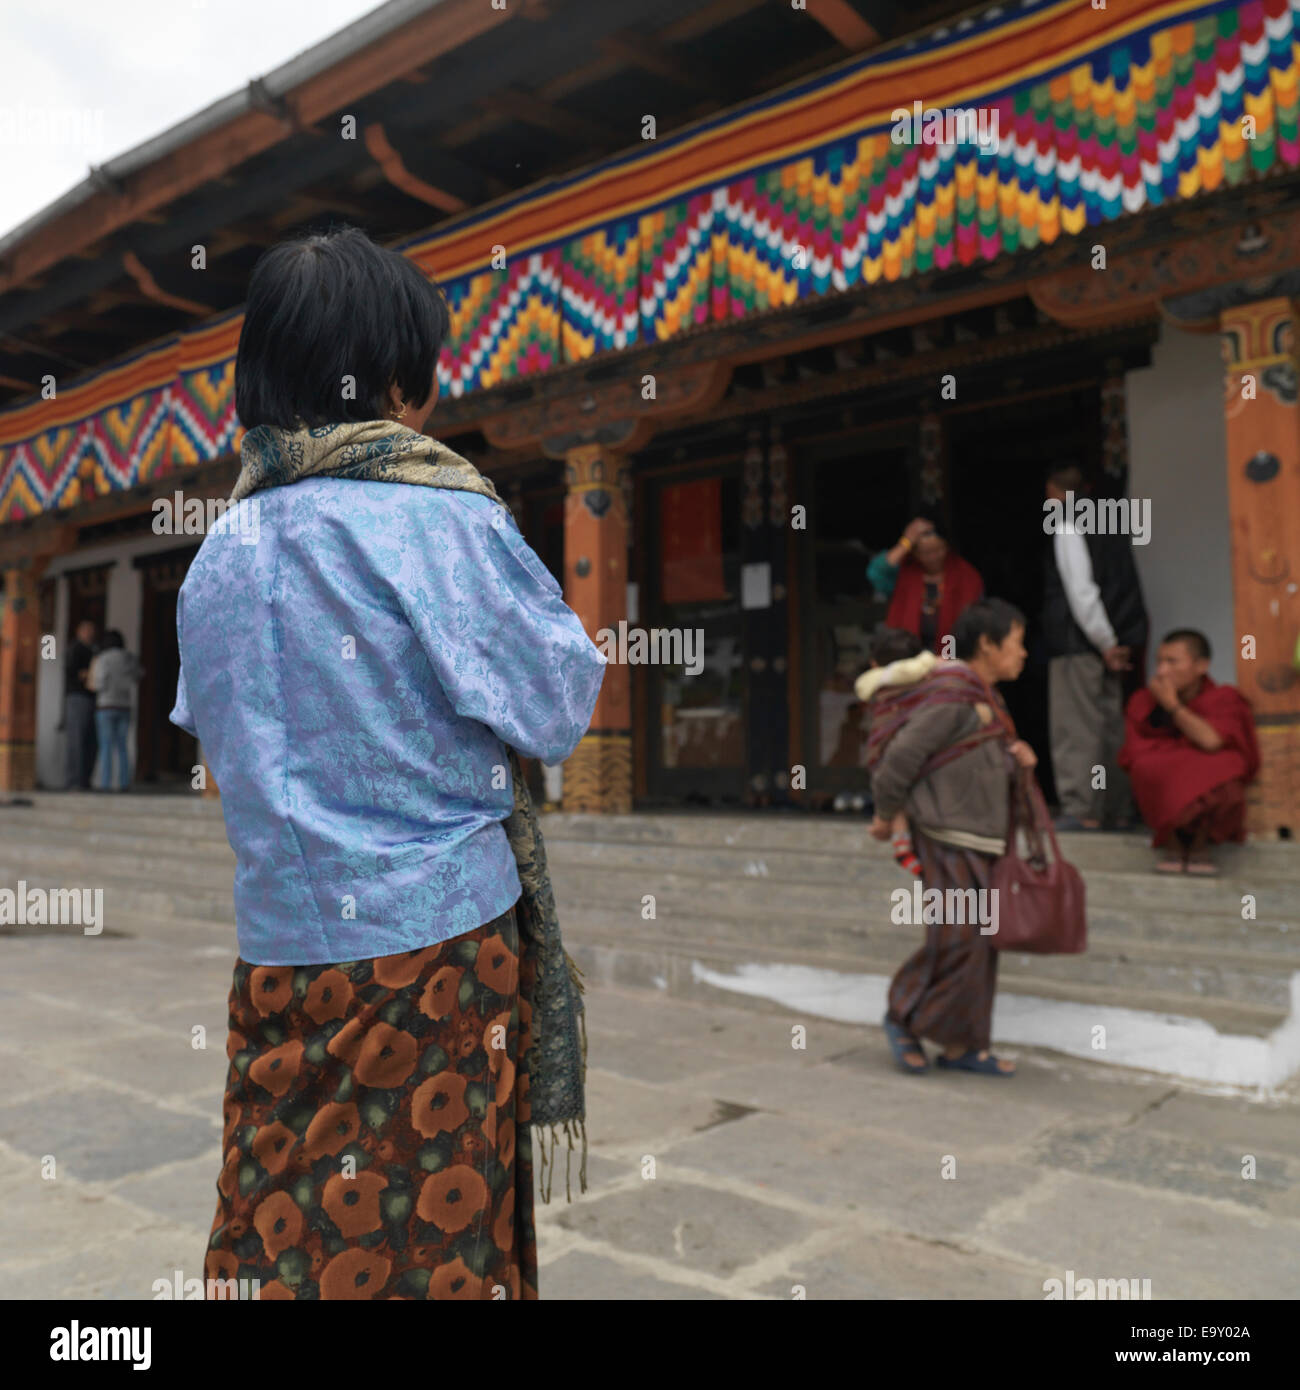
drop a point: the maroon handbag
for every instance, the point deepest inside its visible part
(1040, 899)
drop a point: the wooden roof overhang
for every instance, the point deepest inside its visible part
(536, 405)
(455, 103)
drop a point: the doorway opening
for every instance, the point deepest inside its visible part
(165, 754)
(998, 458)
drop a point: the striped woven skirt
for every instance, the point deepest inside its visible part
(375, 1143)
(944, 991)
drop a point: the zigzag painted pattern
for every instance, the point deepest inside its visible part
(1156, 116)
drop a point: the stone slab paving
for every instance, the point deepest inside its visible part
(735, 1154)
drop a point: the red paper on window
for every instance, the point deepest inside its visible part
(690, 542)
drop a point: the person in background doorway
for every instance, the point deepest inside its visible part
(79, 708)
(1190, 750)
(114, 675)
(951, 766)
(1094, 624)
(927, 583)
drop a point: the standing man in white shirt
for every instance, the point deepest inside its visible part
(1095, 625)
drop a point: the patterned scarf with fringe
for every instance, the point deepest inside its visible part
(556, 1060)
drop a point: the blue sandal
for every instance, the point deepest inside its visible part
(901, 1042)
(970, 1061)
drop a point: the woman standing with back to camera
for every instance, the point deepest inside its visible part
(358, 679)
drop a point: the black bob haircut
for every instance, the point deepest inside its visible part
(989, 617)
(332, 321)
(1197, 642)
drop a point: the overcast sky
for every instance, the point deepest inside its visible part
(112, 73)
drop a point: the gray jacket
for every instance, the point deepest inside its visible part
(965, 803)
(115, 674)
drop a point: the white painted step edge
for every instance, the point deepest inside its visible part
(1171, 1044)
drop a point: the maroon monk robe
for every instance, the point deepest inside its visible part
(962, 585)
(1169, 773)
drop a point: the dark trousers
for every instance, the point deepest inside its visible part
(79, 716)
(944, 991)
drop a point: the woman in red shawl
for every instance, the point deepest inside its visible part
(1189, 751)
(930, 584)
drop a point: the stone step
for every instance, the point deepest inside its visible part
(816, 865)
(622, 896)
(769, 906)
(108, 844)
(1199, 971)
(673, 966)
(815, 892)
(126, 898)
(783, 841)
(1144, 906)
(833, 835)
(867, 884)
(783, 906)
(91, 808)
(793, 833)
(152, 869)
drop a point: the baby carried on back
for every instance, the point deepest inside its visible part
(904, 680)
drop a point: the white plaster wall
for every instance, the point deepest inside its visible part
(122, 610)
(51, 746)
(1177, 461)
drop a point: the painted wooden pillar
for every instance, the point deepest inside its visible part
(930, 492)
(1263, 435)
(764, 510)
(598, 776)
(20, 640)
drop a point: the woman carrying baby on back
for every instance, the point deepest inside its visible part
(943, 753)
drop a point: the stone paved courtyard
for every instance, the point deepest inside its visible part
(725, 1163)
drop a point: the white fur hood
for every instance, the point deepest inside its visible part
(906, 672)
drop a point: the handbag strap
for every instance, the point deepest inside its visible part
(1026, 792)
(1045, 820)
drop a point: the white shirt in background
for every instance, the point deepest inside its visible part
(1074, 565)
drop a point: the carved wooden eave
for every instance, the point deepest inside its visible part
(36, 544)
(1182, 281)
(615, 413)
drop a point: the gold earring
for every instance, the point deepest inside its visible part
(401, 412)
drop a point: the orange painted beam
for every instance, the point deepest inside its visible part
(139, 272)
(388, 159)
(843, 23)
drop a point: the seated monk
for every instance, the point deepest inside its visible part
(1189, 751)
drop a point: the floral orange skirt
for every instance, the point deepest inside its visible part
(375, 1140)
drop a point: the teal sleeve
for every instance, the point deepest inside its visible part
(882, 574)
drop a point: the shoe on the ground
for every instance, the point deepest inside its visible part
(901, 1042)
(971, 1061)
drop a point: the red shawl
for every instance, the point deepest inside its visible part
(962, 585)
(1167, 771)
(949, 683)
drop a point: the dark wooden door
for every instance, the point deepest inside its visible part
(164, 753)
(87, 600)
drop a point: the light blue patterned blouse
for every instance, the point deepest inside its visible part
(352, 677)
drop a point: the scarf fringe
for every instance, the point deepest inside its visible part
(572, 1129)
